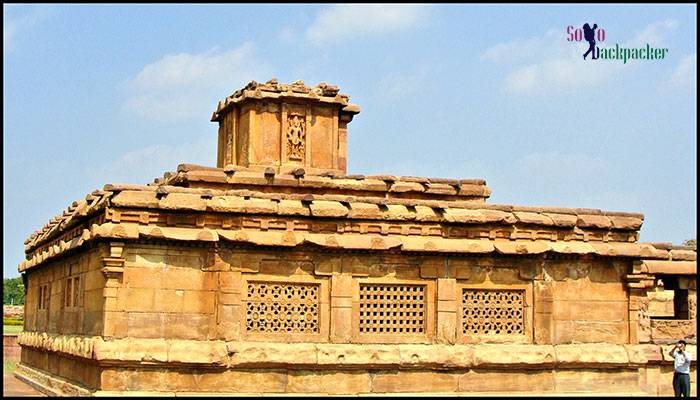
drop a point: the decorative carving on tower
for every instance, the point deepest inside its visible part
(296, 138)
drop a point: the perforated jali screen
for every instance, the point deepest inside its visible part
(273, 307)
(392, 309)
(498, 312)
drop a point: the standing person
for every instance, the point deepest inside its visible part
(681, 369)
(589, 35)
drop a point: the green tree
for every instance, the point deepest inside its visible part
(13, 291)
(691, 242)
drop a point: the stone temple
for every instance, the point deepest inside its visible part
(275, 272)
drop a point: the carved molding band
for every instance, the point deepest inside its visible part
(80, 346)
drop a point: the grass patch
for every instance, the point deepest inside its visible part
(9, 366)
(12, 321)
(12, 328)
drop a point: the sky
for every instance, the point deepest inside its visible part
(97, 94)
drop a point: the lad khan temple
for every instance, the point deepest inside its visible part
(277, 273)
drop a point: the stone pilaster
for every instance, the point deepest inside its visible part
(447, 310)
(341, 307)
(544, 307)
(639, 322)
(113, 270)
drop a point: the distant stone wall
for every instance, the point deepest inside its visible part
(10, 347)
(13, 311)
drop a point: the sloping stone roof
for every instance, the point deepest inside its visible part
(362, 198)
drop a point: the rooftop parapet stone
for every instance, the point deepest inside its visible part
(272, 89)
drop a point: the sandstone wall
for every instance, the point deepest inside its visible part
(194, 293)
(83, 314)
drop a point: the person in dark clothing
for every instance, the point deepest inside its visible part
(589, 35)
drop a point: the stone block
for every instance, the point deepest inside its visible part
(184, 278)
(532, 218)
(590, 332)
(603, 354)
(292, 207)
(340, 382)
(512, 355)
(436, 355)
(593, 221)
(238, 381)
(591, 381)
(322, 208)
(139, 300)
(591, 310)
(197, 301)
(341, 323)
(562, 220)
(332, 354)
(507, 381)
(398, 212)
(583, 289)
(183, 201)
(188, 326)
(364, 210)
(145, 325)
(256, 354)
(626, 223)
(226, 204)
(415, 382)
(144, 278)
(401, 187)
(135, 198)
(201, 352)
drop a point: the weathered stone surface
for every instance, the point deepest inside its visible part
(415, 382)
(510, 381)
(135, 198)
(183, 201)
(593, 221)
(346, 382)
(492, 355)
(672, 330)
(401, 187)
(364, 210)
(321, 208)
(683, 255)
(671, 267)
(533, 218)
(604, 354)
(626, 223)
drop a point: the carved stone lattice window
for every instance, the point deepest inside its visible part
(273, 307)
(493, 312)
(392, 309)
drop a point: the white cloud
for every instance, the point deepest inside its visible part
(684, 76)
(142, 165)
(14, 24)
(350, 21)
(402, 84)
(182, 86)
(654, 34)
(549, 64)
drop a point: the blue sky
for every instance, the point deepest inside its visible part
(97, 94)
